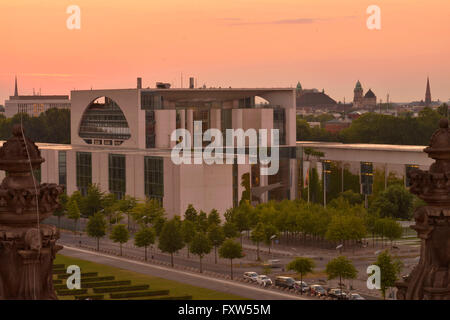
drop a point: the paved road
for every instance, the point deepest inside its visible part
(195, 279)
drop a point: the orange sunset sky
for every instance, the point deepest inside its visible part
(245, 43)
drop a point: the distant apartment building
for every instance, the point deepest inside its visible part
(34, 105)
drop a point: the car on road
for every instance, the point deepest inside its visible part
(301, 285)
(318, 290)
(263, 280)
(273, 263)
(337, 294)
(284, 282)
(355, 296)
(250, 275)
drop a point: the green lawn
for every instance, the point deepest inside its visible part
(176, 288)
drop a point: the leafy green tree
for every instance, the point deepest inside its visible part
(214, 218)
(111, 210)
(202, 221)
(96, 227)
(443, 110)
(144, 238)
(149, 213)
(190, 213)
(230, 230)
(61, 211)
(231, 250)
(341, 268)
(390, 268)
(126, 206)
(302, 266)
(73, 212)
(188, 230)
(257, 236)
(120, 234)
(200, 246)
(396, 201)
(216, 236)
(270, 233)
(171, 237)
(92, 202)
(241, 218)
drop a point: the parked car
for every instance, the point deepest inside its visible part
(355, 296)
(337, 293)
(263, 280)
(273, 263)
(285, 282)
(318, 290)
(250, 276)
(301, 285)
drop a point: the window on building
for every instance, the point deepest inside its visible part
(150, 132)
(84, 171)
(62, 167)
(154, 178)
(203, 117)
(103, 119)
(117, 175)
(279, 122)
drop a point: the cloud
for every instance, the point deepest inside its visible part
(289, 21)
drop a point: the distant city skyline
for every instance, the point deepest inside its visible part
(324, 44)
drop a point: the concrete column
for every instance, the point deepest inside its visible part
(71, 171)
(190, 124)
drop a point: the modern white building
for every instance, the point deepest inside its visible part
(121, 140)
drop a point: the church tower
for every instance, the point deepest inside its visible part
(428, 94)
(16, 92)
(358, 95)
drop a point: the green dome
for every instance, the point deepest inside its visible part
(358, 86)
(299, 86)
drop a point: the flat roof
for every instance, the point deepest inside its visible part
(362, 146)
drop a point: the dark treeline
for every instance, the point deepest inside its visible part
(379, 128)
(51, 126)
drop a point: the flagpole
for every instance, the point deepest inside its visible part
(308, 181)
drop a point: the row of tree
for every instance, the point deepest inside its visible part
(51, 126)
(378, 128)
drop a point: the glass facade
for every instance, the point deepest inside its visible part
(154, 178)
(150, 136)
(279, 122)
(235, 185)
(202, 116)
(103, 119)
(62, 168)
(84, 171)
(117, 175)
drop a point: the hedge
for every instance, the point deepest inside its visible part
(59, 266)
(73, 292)
(85, 274)
(57, 281)
(138, 294)
(90, 297)
(123, 288)
(172, 298)
(106, 284)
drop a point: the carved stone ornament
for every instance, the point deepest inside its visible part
(27, 248)
(430, 278)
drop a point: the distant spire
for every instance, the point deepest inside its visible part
(428, 94)
(16, 92)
